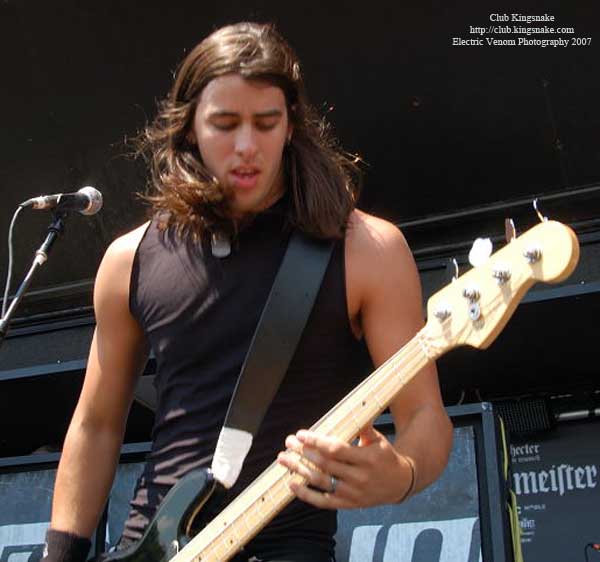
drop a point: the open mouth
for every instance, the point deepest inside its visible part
(245, 177)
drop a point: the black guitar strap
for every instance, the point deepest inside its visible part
(275, 339)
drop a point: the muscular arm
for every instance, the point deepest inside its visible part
(391, 314)
(93, 441)
(384, 295)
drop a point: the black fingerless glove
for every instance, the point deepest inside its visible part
(65, 547)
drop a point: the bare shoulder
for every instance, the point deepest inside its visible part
(114, 273)
(123, 248)
(381, 275)
(375, 244)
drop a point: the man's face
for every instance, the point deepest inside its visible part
(241, 127)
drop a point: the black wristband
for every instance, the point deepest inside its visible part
(65, 547)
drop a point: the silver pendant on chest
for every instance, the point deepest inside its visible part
(220, 244)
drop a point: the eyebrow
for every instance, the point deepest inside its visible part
(260, 114)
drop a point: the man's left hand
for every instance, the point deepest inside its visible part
(343, 476)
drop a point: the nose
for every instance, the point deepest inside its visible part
(245, 142)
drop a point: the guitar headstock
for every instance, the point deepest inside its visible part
(473, 309)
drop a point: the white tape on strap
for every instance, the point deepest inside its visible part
(230, 454)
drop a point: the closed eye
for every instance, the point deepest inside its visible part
(266, 124)
(224, 124)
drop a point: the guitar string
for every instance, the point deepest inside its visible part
(414, 353)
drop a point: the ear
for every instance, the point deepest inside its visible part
(191, 137)
(290, 128)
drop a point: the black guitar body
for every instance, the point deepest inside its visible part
(168, 531)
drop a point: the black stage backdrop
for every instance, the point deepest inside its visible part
(441, 126)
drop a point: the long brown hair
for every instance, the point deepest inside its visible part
(323, 181)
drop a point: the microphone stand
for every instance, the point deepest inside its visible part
(41, 256)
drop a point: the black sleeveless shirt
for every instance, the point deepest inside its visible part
(199, 313)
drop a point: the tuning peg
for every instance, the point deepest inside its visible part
(501, 274)
(471, 293)
(480, 251)
(510, 232)
(442, 313)
(537, 211)
(452, 271)
(533, 254)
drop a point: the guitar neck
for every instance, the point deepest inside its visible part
(227, 533)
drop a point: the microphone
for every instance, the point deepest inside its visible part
(88, 201)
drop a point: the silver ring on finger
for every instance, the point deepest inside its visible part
(334, 484)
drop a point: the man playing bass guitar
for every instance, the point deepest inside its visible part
(237, 154)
